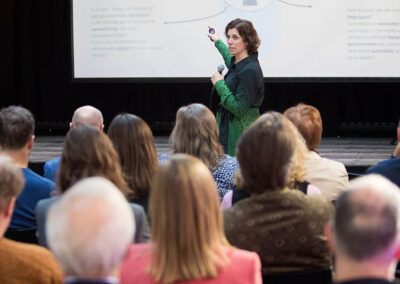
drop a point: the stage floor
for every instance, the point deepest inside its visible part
(355, 153)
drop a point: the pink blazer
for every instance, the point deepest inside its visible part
(244, 268)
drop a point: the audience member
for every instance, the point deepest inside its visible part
(328, 175)
(20, 263)
(188, 242)
(389, 168)
(89, 152)
(83, 115)
(134, 142)
(364, 233)
(16, 140)
(196, 133)
(284, 226)
(297, 177)
(89, 230)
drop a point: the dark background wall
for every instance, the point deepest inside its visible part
(35, 72)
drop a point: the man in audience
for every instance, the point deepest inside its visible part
(364, 232)
(89, 231)
(16, 140)
(19, 262)
(389, 168)
(83, 115)
(328, 175)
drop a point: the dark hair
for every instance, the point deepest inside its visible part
(16, 127)
(247, 32)
(265, 153)
(89, 152)
(134, 142)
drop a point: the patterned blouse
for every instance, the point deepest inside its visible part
(223, 175)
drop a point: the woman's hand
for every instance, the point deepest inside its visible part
(213, 36)
(216, 77)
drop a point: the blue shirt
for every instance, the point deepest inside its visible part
(388, 168)
(36, 188)
(51, 167)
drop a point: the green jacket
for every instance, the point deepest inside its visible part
(241, 94)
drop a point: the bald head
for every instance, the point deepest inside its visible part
(87, 115)
(90, 228)
(366, 224)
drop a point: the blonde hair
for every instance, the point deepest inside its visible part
(196, 133)
(187, 227)
(298, 170)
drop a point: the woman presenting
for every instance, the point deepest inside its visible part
(242, 90)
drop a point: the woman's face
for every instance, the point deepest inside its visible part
(235, 42)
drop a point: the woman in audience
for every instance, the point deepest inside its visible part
(89, 152)
(196, 133)
(329, 176)
(284, 226)
(297, 177)
(134, 142)
(188, 242)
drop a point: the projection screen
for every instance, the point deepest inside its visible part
(299, 38)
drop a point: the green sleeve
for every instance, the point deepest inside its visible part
(223, 49)
(238, 103)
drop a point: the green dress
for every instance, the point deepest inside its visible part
(241, 94)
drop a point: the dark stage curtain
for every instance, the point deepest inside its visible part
(36, 72)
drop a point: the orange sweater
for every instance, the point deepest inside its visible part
(25, 263)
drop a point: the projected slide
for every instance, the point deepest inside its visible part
(299, 38)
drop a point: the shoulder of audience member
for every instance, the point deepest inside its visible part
(33, 259)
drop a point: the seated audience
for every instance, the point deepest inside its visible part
(297, 178)
(196, 133)
(328, 175)
(284, 226)
(83, 115)
(389, 168)
(188, 242)
(364, 232)
(89, 231)
(16, 140)
(20, 263)
(89, 152)
(134, 142)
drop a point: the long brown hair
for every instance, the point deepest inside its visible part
(265, 153)
(89, 152)
(134, 143)
(196, 133)
(187, 228)
(247, 32)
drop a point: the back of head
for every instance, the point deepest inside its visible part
(16, 127)
(88, 152)
(186, 221)
(196, 133)
(11, 181)
(134, 143)
(247, 32)
(366, 223)
(265, 153)
(90, 228)
(87, 115)
(308, 120)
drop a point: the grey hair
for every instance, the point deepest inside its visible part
(90, 228)
(367, 218)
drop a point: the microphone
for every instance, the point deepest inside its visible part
(220, 69)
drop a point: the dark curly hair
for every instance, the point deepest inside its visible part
(247, 32)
